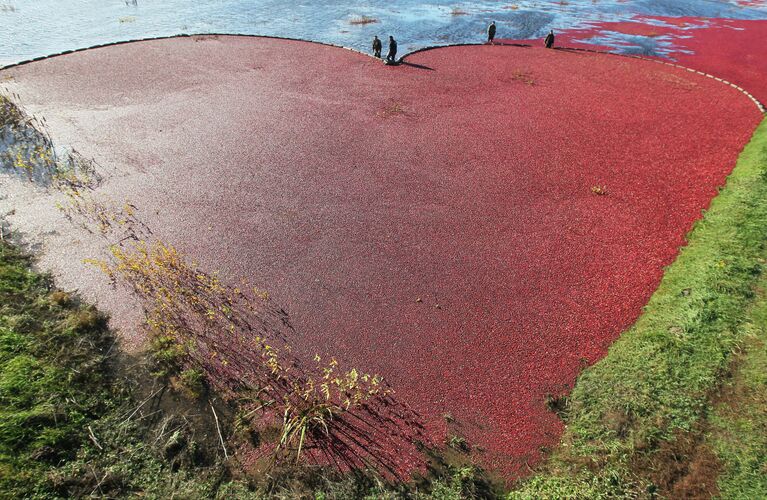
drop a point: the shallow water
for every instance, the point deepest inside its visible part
(32, 28)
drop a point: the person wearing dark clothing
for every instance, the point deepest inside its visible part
(377, 46)
(549, 42)
(391, 57)
(491, 32)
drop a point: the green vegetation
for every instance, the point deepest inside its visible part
(49, 348)
(64, 413)
(738, 424)
(639, 412)
(458, 443)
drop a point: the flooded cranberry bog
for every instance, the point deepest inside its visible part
(725, 48)
(477, 225)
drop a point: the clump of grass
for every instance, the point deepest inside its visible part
(7, 7)
(192, 381)
(127, 19)
(306, 423)
(456, 11)
(599, 190)
(461, 482)
(557, 404)
(167, 354)
(362, 20)
(458, 443)
(10, 114)
(60, 298)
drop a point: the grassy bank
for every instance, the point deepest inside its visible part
(50, 351)
(73, 423)
(737, 425)
(637, 419)
(69, 424)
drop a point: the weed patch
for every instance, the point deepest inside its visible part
(232, 339)
(26, 149)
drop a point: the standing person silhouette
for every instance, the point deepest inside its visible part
(549, 42)
(377, 46)
(391, 57)
(491, 32)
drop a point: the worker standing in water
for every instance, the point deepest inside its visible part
(549, 42)
(377, 46)
(391, 57)
(491, 33)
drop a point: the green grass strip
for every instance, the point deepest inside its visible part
(51, 359)
(738, 424)
(656, 379)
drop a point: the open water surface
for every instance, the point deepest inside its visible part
(32, 28)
